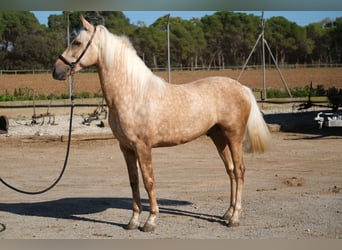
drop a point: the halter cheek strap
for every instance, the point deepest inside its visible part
(63, 59)
(73, 64)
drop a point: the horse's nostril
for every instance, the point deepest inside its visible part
(59, 74)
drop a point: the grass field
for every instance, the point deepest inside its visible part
(89, 82)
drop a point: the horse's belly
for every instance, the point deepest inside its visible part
(175, 132)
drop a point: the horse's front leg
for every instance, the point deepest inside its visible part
(131, 162)
(144, 153)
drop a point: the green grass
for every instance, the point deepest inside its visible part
(25, 94)
(318, 93)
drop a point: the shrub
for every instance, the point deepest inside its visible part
(335, 97)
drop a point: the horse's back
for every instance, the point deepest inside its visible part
(229, 99)
(225, 93)
(219, 86)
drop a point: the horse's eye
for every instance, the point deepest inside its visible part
(76, 43)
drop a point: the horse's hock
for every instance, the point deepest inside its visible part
(4, 124)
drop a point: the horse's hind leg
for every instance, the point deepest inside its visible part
(221, 143)
(131, 162)
(144, 154)
(235, 144)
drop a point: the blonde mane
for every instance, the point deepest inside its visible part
(119, 55)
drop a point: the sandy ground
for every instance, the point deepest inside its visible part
(293, 191)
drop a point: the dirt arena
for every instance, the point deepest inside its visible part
(291, 192)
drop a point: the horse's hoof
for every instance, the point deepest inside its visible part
(233, 223)
(227, 216)
(148, 228)
(132, 226)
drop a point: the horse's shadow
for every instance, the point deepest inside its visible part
(77, 208)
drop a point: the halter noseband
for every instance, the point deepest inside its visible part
(73, 64)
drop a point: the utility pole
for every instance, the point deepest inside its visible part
(168, 50)
(264, 92)
(263, 43)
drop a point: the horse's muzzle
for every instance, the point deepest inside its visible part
(60, 72)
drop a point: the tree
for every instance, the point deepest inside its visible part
(230, 36)
(281, 35)
(15, 23)
(213, 29)
(150, 43)
(186, 40)
(303, 46)
(336, 40)
(115, 21)
(224, 38)
(317, 34)
(200, 43)
(21, 38)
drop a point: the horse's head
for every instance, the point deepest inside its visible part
(80, 54)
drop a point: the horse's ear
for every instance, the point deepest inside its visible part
(86, 24)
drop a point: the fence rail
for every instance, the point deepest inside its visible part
(179, 68)
(255, 67)
(96, 103)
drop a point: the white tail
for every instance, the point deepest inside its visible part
(257, 133)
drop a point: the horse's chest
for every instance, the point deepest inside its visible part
(126, 128)
(119, 131)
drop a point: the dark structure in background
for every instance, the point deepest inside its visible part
(4, 125)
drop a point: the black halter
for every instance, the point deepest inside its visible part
(73, 64)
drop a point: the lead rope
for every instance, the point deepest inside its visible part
(66, 155)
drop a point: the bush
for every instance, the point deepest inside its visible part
(301, 92)
(277, 93)
(320, 91)
(83, 94)
(22, 94)
(335, 97)
(6, 97)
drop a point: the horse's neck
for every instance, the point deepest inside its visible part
(119, 88)
(112, 87)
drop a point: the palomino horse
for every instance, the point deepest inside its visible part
(146, 112)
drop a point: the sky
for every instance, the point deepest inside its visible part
(302, 18)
